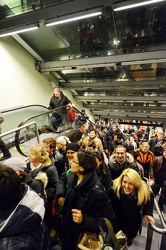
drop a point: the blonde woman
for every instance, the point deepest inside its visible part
(40, 161)
(131, 199)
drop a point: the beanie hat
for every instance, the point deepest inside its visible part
(16, 163)
(72, 146)
(64, 140)
(83, 110)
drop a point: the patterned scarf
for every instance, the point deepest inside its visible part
(132, 196)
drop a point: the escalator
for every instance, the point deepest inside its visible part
(28, 132)
(28, 125)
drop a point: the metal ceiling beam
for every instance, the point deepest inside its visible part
(115, 85)
(121, 98)
(104, 61)
(54, 11)
(27, 47)
(152, 119)
(130, 114)
(125, 107)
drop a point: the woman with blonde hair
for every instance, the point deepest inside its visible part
(40, 161)
(131, 199)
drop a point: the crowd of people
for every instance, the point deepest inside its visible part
(62, 175)
(67, 187)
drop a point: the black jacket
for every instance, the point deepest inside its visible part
(128, 213)
(55, 103)
(97, 204)
(116, 168)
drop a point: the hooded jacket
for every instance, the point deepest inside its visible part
(21, 226)
(116, 168)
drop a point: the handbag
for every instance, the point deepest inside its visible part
(119, 239)
(101, 241)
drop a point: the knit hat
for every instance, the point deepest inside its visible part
(83, 110)
(16, 163)
(72, 146)
(64, 140)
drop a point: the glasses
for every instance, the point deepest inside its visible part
(75, 161)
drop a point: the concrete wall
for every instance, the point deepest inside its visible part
(20, 83)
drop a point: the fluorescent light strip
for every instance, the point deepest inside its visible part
(137, 5)
(74, 18)
(18, 31)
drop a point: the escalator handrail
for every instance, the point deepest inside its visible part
(32, 117)
(21, 127)
(23, 107)
(37, 115)
(157, 207)
(157, 229)
(17, 142)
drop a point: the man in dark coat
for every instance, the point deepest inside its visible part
(58, 100)
(121, 160)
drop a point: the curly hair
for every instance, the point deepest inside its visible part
(41, 153)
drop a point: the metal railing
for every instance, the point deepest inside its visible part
(152, 228)
(22, 127)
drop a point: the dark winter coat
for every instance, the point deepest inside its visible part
(37, 180)
(55, 103)
(117, 168)
(108, 139)
(21, 226)
(128, 213)
(61, 162)
(97, 204)
(104, 178)
(156, 165)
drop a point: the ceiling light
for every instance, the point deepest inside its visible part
(73, 17)
(134, 5)
(18, 30)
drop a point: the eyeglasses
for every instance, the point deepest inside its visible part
(75, 161)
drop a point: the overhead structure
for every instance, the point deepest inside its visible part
(110, 54)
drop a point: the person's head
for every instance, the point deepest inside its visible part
(160, 136)
(99, 156)
(120, 153)
(50, 144)
(71, 148)
(114, 127)
(127, 140)
(83, 110)
(83, 162)
(164, 151)
(57, 93)
(130, 181)
(39, 154)
(92, 134)
(142, 128)
(10, 187)
(91, 146)
(144, 147)
(117, 137)
(17, 164)
(62, 141)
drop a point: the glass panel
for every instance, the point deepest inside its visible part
(10, 8)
